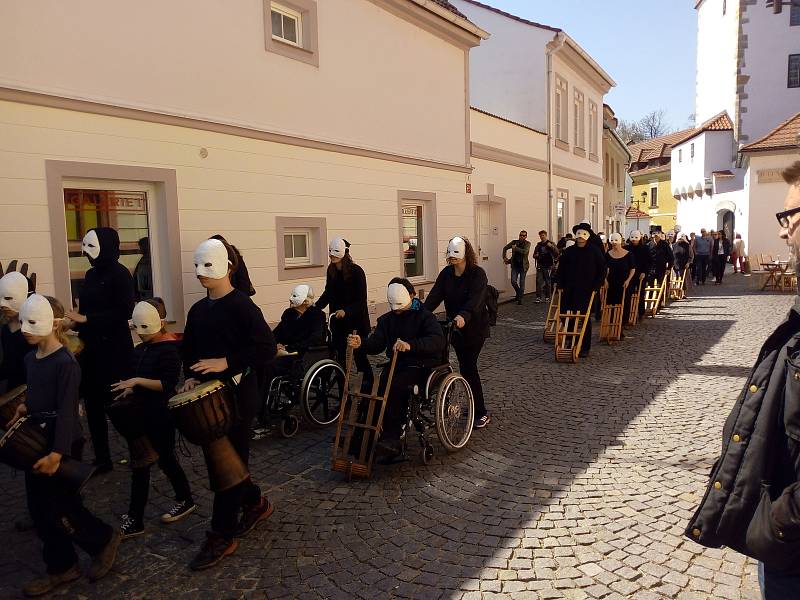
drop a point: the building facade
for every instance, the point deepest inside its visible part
(616, 160)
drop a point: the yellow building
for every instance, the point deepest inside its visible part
(650, 171)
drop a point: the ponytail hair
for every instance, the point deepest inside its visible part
(58, 313)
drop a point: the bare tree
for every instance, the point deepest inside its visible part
(654, 124)
(629, 132)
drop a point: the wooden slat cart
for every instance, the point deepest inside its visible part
(636, 296)
(571, 329)
(551, 321)
(653, 295)
(677, 286)
(611, 318)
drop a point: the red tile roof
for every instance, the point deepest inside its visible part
(720, 122)
(510, 16)
(655, 148)
(636, 213)
(783, 137)
(450, 7)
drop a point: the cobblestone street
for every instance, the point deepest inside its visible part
(580, 488)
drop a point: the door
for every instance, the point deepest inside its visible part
(491, 239)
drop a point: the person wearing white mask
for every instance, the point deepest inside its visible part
(621, 271)
(462, 286)
(53, 378)
(152, 377)
(581, 271)
(13, 347)
(346, 296)
(414, 333)
(104, 306)
(643, 260)
(226, 335)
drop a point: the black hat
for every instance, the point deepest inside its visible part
(585, 226)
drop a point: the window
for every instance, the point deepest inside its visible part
(794, 15)
(560, 109)
(286, 25)
(654, 196)
(724, 7)
(561, 213)
(290, 29)
(593, 127)
(680, 154)
(297, 248)
(691, 150)
(593, 211)
(794, 70)
(580, 120)
(607, 166)
(619, 176)
(418, 253)
(413, 240)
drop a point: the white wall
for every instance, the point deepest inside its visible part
(508, 72)
(766, 199)
(717, 38)
(712, 152)
(206, 59)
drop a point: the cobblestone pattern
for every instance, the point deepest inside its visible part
(580, 488)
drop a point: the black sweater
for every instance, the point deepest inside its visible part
(231, 327)
(419, 328)
(465, 296)
(349, 295)
(298, 332)
(641, 256)
(52, 396)
(581, 269)
(12, 363)
(160, 361)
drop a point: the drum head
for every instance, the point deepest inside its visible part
(201, 390)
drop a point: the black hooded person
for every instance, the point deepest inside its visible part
(643, 260)
(101, 317)
(662, 255)
(581, 271)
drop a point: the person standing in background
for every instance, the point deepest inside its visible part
(143, 273)
(520, 249)
(702, 257)
(545, 253)
(739, 255)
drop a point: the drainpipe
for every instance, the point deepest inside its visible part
(550, 49)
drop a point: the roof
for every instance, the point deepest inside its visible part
(725, 173)
(650, 170)
(488, 114)
(450, 7)
(658, 147)
(636, 213)
(445, 10)
(509, 15)
(785, 136)
(719, 122)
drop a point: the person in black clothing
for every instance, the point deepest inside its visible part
(226, 335)
(581, 271)
(621, 270)
(346, 296)
(562, 243)
(643, 261)
(414, 333)
(545, 253)
(240, 278)
(662, 257)
(143, 272)
(461, 285)
(101, 319)
(60, 518)
(682, 253)
(154, 373)
(720, 251)
(13, 347)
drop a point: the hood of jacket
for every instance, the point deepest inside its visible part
(109, 247)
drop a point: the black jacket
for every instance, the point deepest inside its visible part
(752, 502)
(581, 270)
(419, 328)
(161, 361)
(12, 359)
(465, 296)
(349, 295)
(682, 254)
(726, 247)
(106, 299)
(642, 258)
(662, 258)
(298, 332)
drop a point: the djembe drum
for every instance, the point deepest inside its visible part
(203, 415)
(128, 418)
(9, 403)
(25, 443)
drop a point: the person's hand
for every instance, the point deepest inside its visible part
(506, 260)
(75, 316)
(47, 465)
(339, 314)
(401, 346)
(210, 365)
(21, 411)
(125, 393)
(127, 384)
(188, 385)
(354, 341)
(281, 347)
(459, 321)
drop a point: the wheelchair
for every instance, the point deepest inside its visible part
(315, 381)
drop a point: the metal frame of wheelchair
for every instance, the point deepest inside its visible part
(427, 408)
(311, 380)
(571, 327)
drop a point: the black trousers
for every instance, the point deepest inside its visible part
(467, 351)
(162, 436)
(718, 263)
(701, 267)
(95, 399)
(228, 504)
(403, 381)
(63, 522)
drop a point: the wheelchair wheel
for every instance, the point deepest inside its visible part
(321, 393)
(290, 425)
(454, 412)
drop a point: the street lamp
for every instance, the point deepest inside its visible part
(639, 208)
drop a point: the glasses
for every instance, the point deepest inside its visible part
(783, 216)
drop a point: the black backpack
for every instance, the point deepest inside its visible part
(492, 296)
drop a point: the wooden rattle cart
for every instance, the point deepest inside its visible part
(611, 317)
(551, 321)
(677, 286)
(653, 296)
(569, 335)
(636, 297)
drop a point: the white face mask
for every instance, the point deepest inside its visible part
(582, 234)
(456, 248)
(36, 316)
(398, 296)
(616, 238)
(90, 245)
(13, 290)
(211, 259)
(636, 236)
(300, 294)
(337, 248)
(146, 319)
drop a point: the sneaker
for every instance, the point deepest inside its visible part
(47, 583)
(213, 550)
(538, 300)
(178, 511)
(130, 527)
(547, 299)
(483, 421)
(254, 515)
(104, 560)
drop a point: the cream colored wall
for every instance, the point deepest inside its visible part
(237, 191)
(177, 57)
(611, 192)
(497, 133)
(583, 190)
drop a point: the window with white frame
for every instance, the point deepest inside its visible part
(794, 15)
(287, 24)
(654, 195)
(607, 167)
(560, 111)
(297, 248)
(691, 150)
(418, 235)
(561, 213)
(680, 154)
(794, 71)
(580, 120)
(593, 127)
(593, 211)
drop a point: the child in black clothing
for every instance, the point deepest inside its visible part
(155, 370)
(61, 519)
(226, 335)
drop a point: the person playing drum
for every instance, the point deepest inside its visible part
(155, 370)
(62, 521)
(226, 335)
